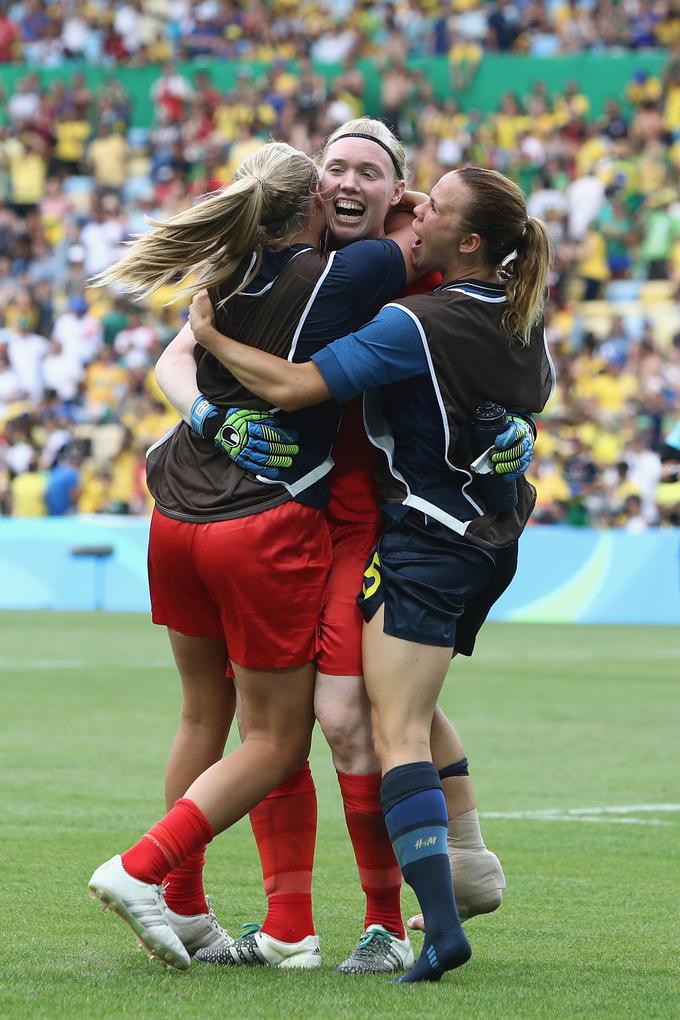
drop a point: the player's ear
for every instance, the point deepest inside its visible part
(316, 215)
(470, 243)
(399, 189)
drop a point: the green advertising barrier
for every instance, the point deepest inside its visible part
(599, 76)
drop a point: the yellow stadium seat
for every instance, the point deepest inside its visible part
(666, 320)
(654, 291)
(596, 316)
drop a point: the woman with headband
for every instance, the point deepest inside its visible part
(357, 190)
(445, 556)
(256, 245)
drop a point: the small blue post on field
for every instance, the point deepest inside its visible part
(99, 554)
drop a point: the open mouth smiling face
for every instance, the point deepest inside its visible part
(358, 185)
(348, 210)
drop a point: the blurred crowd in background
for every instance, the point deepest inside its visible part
(78, 400)
(50, 32)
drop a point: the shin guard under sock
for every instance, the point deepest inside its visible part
(379, 873)
(284, 827)
(416, 819)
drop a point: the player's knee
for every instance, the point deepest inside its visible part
(347, 729)
(395, 736)
(281, 752)
(198, 715)
(209, 708)
(290, 756)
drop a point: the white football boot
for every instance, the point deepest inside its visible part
(198, 931)
(141, 906)
(378, 951)
(255, 949)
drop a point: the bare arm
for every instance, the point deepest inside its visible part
(283, 383)
(176, 372)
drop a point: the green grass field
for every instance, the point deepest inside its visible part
(555, 720)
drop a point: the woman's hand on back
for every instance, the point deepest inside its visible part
(202, 317)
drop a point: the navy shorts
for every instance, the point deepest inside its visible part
(437, 588)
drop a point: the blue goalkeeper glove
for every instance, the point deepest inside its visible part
(513, 449)
(253, 439)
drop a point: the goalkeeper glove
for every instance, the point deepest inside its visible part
(513, 449)
(253, 439)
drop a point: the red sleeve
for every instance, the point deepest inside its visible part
(353, 496)
(426, 283)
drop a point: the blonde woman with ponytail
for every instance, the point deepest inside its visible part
(267, 205)
(449, 547)
(239, 548)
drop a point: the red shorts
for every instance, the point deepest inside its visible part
(341, 621)
(258, 582)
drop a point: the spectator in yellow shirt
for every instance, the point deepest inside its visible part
(108, 155)
(27, 492)
(465, 56)
(28, 173)
(94, 490)
(21, 308)
(123, 476)
(593, 268)
(553, 493)
(612, 388)
(509, 122)
(71, 135)
(671, 97)
(106, 384)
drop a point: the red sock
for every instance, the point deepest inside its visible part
(183, 887)
(379, 872)
(284, 827)
(169, 842)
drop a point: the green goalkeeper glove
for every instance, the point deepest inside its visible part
(513, 449)
(253, 439)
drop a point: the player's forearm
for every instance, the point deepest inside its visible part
(283, 383)
(410, 199)
(176, 373)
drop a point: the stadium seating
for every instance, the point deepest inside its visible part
(174, 131)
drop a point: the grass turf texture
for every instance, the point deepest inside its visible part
(552, 717)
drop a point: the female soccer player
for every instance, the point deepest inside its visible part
(363, 166)
(443, 555)
(256, 244)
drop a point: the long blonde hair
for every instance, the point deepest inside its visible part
(267, 204)
(497, 211)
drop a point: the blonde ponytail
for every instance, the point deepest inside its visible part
(267, 204)
(528, 280)
(515, 245)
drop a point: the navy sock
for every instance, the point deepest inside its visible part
(416, 818)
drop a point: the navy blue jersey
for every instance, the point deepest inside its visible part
(391, 359)
(358, 280)
(388, 354)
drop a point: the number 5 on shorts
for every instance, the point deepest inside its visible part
(371, 577)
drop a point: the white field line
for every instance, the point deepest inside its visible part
(37, 665)
(613, 815)
(583, 655)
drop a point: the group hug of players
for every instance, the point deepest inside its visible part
(327, 534)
